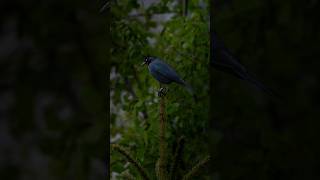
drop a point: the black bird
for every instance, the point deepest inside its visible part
(224, 60)
(165, 74)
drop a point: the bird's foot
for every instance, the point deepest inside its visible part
(162, 92)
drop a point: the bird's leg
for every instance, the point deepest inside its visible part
(162, 91)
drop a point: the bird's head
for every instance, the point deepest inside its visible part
(147, 60)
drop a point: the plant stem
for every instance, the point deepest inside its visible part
(196, 168)
(162, 143)
(126, 154)
(185, 7)
(176, 158)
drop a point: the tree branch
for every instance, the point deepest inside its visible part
(135, 163)
(176, 158)
(196, 168)
(162, 144)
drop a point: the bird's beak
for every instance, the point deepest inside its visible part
(143, 63)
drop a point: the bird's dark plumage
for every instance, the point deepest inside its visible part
(223, 60)
(164, 73)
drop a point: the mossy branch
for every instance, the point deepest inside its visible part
(176, 158)
(135, 163)
(162, 172)
(196, 168)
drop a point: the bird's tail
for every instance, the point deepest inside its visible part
(263, 88)
(191, 91)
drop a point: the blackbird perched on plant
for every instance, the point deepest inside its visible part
(223, 60)
(165, 74)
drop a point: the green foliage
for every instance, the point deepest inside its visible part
(183, 42)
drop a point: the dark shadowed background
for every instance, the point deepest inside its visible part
(260, 137)
(52, 90)
(53, 96)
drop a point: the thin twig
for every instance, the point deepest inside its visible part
(135, 163)
(196, 168)
(105, 6)
(176, 158)
(185, 7)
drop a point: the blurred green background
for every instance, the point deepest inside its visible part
(166, 30)
(251, 135)
(52, 90)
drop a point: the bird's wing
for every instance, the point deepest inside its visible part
(223, 58)
(167, 71)
(158, 75)
(225, 61)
